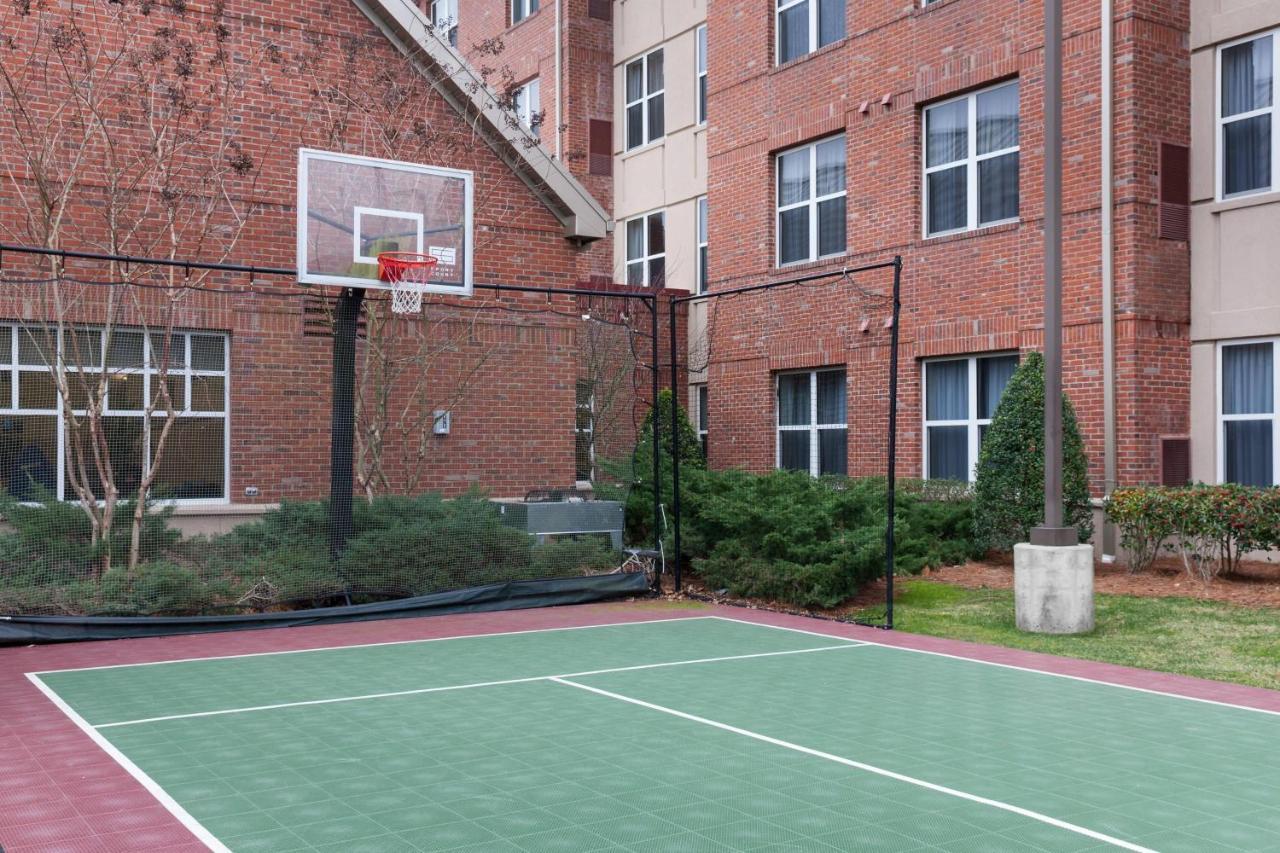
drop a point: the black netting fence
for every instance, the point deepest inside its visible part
(166, 442)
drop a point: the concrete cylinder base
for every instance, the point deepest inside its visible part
(1053, 588)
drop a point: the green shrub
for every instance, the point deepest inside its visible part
(639, 470)
(52, 542)
(1145, 521)
(812, 542)
(159, 588)
(1210, 527)
(1009, 487)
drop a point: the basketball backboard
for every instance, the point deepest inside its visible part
(351, 208)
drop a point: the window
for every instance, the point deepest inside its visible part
(813, 427)
(702, 244)
(584, 431)
(527, 103)
(521, 9)
(1248, 425)
(647, 249)
(191, 366)
(971, 161)
(806, 25)
(811, 202)
(700, 64)
(960, 399)
(701, 399)
(644, 100)
(444, 17)
(1246, 116)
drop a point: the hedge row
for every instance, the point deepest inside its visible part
(1209, 527)
(808, 542)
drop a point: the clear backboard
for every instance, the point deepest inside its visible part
(351, 209)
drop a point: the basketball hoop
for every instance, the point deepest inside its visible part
(408, 273)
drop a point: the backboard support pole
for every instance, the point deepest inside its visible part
(346, 316)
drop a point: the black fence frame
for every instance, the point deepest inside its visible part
(346, 316)
(344, 347)
(892, 456)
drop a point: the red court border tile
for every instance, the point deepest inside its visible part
(60, 792)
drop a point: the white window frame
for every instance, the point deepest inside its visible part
(970, 161)
(973, 422)
(646, 257)
(1274, 417)
(15, 367)
(524, 106)
(700, 74)
(1220, 123)
(813, 427)
(812, 202)
(702, 231)
(780, 7)
(644, 101)
(522, 9)
(444, 16)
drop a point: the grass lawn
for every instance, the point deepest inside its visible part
(1205, 639)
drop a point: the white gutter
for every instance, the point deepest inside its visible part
(559, 88)
(1108, 283)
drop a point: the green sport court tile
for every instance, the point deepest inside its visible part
(514, 766)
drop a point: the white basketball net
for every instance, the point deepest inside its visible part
(406, 294)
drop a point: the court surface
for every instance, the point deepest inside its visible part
(690, 734)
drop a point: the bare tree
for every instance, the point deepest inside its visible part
(118, 113)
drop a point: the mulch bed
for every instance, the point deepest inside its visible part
(1256, 584)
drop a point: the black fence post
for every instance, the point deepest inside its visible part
(675, 445)
(657, 460)
(342, 444)
(892, 460)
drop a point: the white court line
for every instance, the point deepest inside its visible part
(1014, 667)
(870, 768)
(423, 690)
(388, 643)
(184, 817)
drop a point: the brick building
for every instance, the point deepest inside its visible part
(250, 382)
(799, 132)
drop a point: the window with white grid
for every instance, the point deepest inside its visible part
(971, 159)
(811, 201)
(184, 374)
(960, 399)
(812, 422)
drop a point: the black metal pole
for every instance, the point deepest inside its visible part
(675, 447)
(892, 461)
(657, 459)
(342, 444)
(1052, 532)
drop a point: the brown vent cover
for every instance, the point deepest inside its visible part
(600, 147)
(601, 10)
(1175, 460)
(1175, 192)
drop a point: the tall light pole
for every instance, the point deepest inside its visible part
(1053, 574)
(1052, 531)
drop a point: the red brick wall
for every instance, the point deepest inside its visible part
(970, 293)
(514, 429)
(527, 50)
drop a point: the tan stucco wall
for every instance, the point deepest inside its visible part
(668, 174)
(1235, 244)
